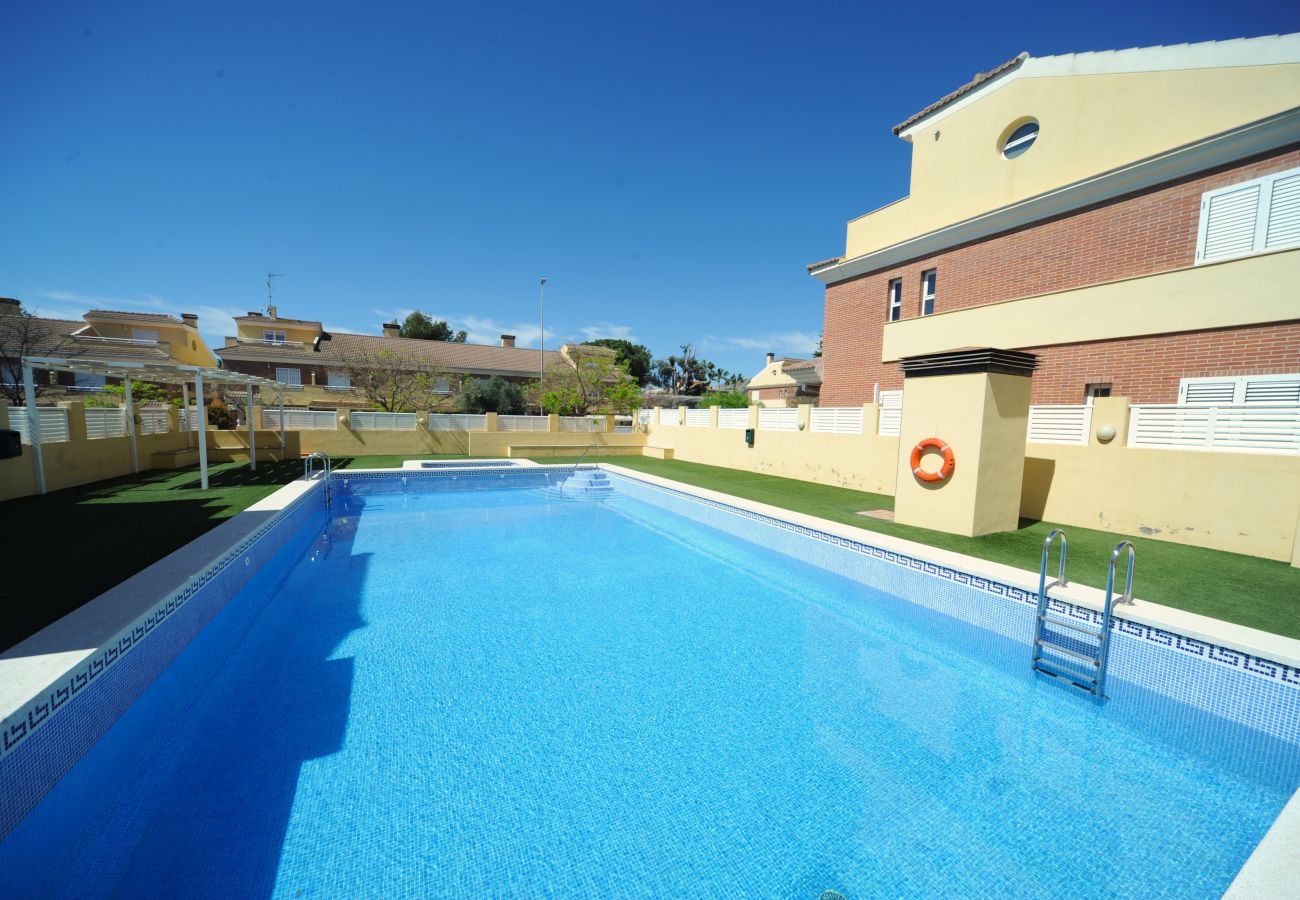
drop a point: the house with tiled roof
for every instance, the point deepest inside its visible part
(100, 334)
(1131, 217)
(315, 363)
(788, 381)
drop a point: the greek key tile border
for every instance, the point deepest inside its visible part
(26, 721)
(1213, 653)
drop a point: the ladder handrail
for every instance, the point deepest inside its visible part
(326, 469)
(1126, 598)
(588, 449)
(1047, 549)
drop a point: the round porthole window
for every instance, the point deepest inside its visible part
(1020, 139)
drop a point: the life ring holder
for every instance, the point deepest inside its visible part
(932, 443)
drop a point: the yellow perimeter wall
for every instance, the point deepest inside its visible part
(1239, 502)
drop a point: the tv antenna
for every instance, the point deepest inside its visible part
(270, 287)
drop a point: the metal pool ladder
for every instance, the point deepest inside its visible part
(1082, 663)
(308, 468)
(590, 447)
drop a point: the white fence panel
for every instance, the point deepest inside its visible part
(1230, 429)
(522, 423)
(190, 419)
(837, 420)
(582, 423)
(1059, 424)
(301, 419)
(698, 418)
(733, 418)
(372, 420)
(53, 423)
(105, 422)
(154, 420)
(670, 416)
(778, 419)
(457, 422)
(891, 413)
(645, 416)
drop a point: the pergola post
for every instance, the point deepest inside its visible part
(252, 434)
(185, 423)
(281, 397)
(34, 425)
(130, 428)
(203, 432)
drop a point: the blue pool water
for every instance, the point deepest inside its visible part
(495, 693)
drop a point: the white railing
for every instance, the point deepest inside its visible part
(301, 419)
(522, 423)
(373, 420)
(733, 418)
(645, 416)
(670, 415)
(1059, 424)
(105, 422)
(154, 420)
(1234, 429)
(582, 423)
(53, 423)
(698, 418)
(837, 420)
(778, 419)
(891, 413)
(457, 422)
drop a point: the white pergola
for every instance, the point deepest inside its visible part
(161, 372)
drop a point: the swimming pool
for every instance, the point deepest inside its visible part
(459, 683)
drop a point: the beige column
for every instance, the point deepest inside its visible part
(76, 419)
(4, 415)
(805, 417)
(976, 401)
(552, 422)
(713, 417)
(870, 418)
(490, 423)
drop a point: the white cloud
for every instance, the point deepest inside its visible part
(606, 330)
(782, 343)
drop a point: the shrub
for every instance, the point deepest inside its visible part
(725, 399)
(495, 394)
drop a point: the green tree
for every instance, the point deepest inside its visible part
(688, 374)
(395, 382)
(420, 326)
(636, 357)
(495, 394)
(142, 392)
(589, 384)
(725, 399)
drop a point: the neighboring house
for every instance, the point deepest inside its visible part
(315, 362)
(786, 382)
(101, 334)
(1131, 216)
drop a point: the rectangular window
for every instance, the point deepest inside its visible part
(144, 334)
(928, 280)
(273, 337)
(895, 300)
(1250, 217)
(1096, 390)
(289, 376)
(338, 380)
(442, 386)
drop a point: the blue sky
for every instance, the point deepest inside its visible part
(669, 167)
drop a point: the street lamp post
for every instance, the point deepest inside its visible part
(541, 351)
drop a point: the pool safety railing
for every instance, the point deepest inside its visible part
(308, 468)
(578, 464)
(1079, 661)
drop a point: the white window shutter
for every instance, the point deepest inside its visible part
(1283, 228)
(1207, 391)
(1274, 391)
(1228, 222)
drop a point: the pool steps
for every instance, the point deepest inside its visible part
(1081, 663)
(584, 485)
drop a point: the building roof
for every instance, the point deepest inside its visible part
(790, 372)
(161, 318)
(34, 335)
(268, 320)
(477, 358)
(812, 267)
(1273, 49)
(980, 78)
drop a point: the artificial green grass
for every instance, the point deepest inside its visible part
(69, 546)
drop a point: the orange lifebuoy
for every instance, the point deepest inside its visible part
(932, 443)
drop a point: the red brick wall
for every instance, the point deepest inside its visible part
(1153, 231)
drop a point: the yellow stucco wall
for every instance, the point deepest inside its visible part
(184, 343)
(983, 418)
(255, 330)
(348, 442)
(72, 463)
(1089, 124)
(1237, 292)
(864, 462)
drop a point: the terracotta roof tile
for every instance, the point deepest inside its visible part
(980, 78)
(133, 316)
